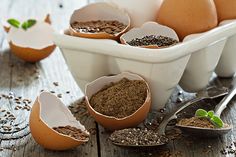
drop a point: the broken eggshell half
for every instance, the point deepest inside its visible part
(99, 11)
(113, 123)
(48, 112)
(33, 44)
(147, 29)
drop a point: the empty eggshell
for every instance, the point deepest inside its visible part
(99, 11)
(148, 28)
(33, 44)
(113, 123)
(48, 112)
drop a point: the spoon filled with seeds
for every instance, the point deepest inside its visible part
(137, 137)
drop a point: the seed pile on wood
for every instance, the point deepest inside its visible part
(152, 40)
(120, 99)
(137, 137)
(196, 122)
(72, 132)
(79, 110)
(110, 27)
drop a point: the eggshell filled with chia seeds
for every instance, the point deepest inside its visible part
(33, 44)
(48, 113)
(93, 14)
(111, 122)
(149, 29)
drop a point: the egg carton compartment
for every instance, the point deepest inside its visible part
(193, 60)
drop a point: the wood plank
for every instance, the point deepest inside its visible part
(24, 78)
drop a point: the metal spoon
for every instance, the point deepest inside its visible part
(209, 93)
(218, 110)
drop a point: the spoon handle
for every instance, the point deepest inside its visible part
(224, 102)
(173, 115)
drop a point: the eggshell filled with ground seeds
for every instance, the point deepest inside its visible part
(99, 21)
(51, 122)
(33, 44)
(117, 122)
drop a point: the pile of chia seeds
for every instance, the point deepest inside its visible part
(153, 40)
(137, 137)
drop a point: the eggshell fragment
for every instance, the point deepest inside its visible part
(113, 123)
(188, 16)
(148, 28)
(226, 10)
(99, 11)
(34, 44)
(48, 112)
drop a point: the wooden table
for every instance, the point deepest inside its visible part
(27, 80)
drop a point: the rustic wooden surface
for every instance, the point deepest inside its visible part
(26, 80)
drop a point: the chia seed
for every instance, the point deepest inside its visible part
(160, 41)
(137, 137)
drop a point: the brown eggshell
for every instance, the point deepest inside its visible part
(113, 123)
(148, 28)
(47, 112)
(30, 54)
(188, 16)
(33, 44)
(226, 9)
(99, 11)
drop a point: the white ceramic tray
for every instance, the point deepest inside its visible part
(195, 59)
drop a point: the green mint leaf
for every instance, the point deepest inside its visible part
(201, 113)
(14, 23)
(210, 114)
(31, 22)
(217, 121)
(24, 25)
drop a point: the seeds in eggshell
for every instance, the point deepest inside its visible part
(137, 137)
(110, 27)
(120, 99)
(72, 132)
(152, 40)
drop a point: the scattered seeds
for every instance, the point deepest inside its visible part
(55, 83)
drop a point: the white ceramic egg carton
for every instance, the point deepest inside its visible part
(191, 63)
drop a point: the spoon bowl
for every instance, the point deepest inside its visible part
(205, 132)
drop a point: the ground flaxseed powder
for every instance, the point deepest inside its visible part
(120, 99)
(196, 122)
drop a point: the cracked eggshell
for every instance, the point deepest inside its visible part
(99, 11)
(113, 123)
(48, 112)
(34, 44)
(148, 28)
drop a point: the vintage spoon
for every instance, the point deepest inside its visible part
(218, 110)
(209, 93)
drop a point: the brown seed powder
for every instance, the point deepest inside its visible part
(196, 122)
(72, 132)
(120, 99)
